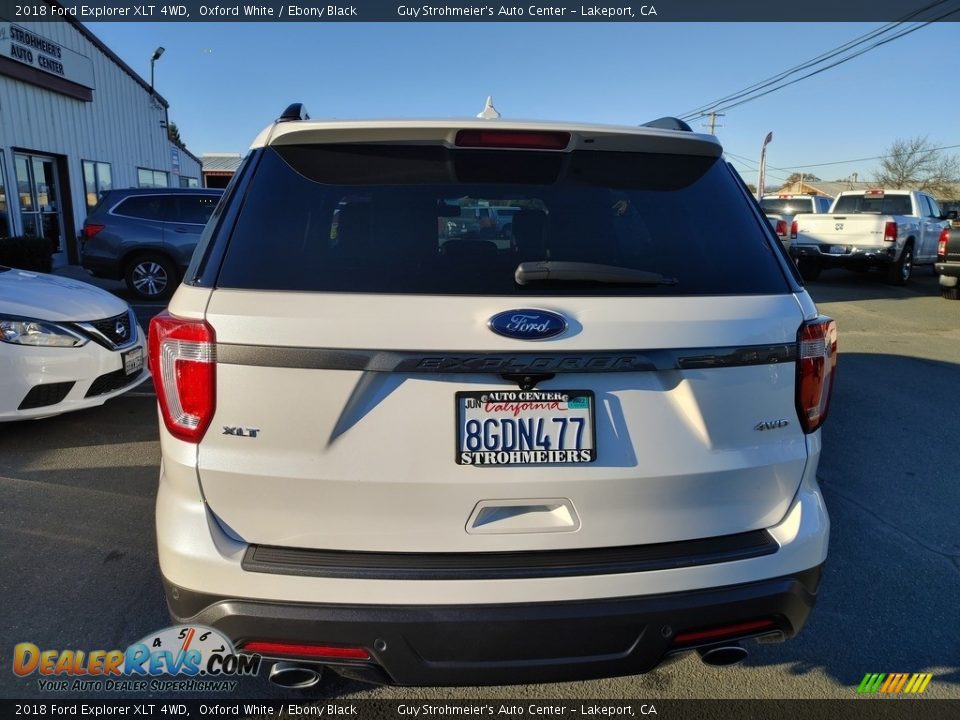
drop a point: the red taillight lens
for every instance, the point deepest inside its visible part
(336, 652)
(723, 631)
(781, 227)
(519, 139)
(91, 229)
(793, 230)
(182, 357)
(816, 368)
(942, 244)
(890, 232)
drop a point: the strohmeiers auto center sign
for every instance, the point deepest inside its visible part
(27, 47)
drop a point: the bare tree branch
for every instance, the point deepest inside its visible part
(916, 164)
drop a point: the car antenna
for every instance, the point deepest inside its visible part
(489, 111)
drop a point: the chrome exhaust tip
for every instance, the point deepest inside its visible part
(295, 676)
(723, 655)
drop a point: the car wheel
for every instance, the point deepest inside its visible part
(951, 293)
(151, 277)
(899, 272)
(809, 268)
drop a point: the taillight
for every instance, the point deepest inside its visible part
(890, 232)
(942, 244)
(91, 229)
(793, 230)
(519, 139)
(781, 227)
(816, 368)
(182, 357)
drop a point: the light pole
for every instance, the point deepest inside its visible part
(762, 177)
(156, 56)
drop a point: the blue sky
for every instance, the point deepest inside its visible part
(225, 81)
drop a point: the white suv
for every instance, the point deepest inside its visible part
(428, 459)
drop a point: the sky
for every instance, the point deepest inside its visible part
(226, 81)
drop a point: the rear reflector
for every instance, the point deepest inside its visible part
(182, 357)
(519, 139)
(723, 631)
(781, 227)
(330, 652)
(942, 244)
(890, 232)
(816, 368)
(91, 229)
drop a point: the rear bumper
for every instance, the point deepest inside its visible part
(102, 267)
(508, 644)
(874, 256)
(949, 272)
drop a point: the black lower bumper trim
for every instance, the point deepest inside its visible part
(507, 565)
(505, 644)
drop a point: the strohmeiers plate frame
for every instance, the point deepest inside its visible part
(591, 414)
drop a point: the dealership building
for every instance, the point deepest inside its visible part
(75, 120)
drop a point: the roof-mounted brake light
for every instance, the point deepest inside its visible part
(515, 139)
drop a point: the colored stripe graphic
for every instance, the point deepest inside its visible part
(871, 682)
(894, 683)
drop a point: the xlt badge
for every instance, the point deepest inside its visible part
(240, 431)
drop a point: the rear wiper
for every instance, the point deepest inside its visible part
(561, 271)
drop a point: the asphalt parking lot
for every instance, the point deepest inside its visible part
(77, 551)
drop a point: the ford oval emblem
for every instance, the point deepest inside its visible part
(527, 324)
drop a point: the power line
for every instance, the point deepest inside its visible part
(838, 62)
(750, 92)
(834, 162)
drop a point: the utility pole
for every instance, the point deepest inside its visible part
(762, 172)
(712, 124)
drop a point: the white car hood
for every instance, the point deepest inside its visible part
(50, 297)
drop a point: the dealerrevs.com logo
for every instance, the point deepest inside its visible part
(188, 658)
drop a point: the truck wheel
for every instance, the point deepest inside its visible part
(951, 293)
(899, 272)
(809, 268)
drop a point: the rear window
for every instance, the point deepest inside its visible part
(148, 207)
(429, 220)
(783, 206)
(876, 204)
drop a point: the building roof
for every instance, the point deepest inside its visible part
(220, 162)
(834, 188)
(823, 187)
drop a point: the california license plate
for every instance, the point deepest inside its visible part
(525, 427)
(132, 361)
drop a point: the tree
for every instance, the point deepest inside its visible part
(800, 177)
(173, 132)
(752, 188)
(917, 164)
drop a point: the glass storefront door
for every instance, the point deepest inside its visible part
(40, 211)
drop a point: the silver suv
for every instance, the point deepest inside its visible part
(146, 236)
(425, 458)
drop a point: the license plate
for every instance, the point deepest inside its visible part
(525, 427)
(132, 361)
(839, 250)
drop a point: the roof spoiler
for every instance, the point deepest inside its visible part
(668, 123)
(295, 111)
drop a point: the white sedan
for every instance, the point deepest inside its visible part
(64, 345)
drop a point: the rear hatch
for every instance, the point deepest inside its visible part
(391, 379)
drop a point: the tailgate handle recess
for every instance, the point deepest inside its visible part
(491, 517)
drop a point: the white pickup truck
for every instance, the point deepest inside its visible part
(780, 210)
(890, 229)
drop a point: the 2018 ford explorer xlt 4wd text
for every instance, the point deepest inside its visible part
(425, 459)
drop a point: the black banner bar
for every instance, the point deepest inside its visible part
(863, 708)
(481, 11)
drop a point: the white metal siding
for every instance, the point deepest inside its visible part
(122, 126)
